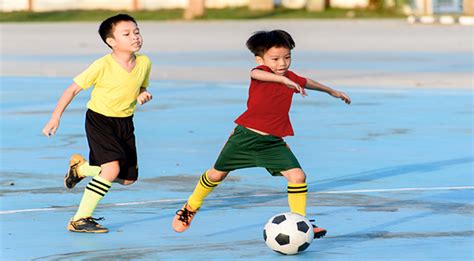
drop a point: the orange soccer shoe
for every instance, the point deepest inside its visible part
(182, 219)
(318, 231)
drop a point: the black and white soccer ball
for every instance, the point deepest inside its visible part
(288, 233)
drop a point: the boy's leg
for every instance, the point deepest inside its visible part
(93, 193)
(124, 182)
(297, 190)
(278, 159)
(207, 182)
(297, 197)
(236, 154)
(79, 168)
(88, 170)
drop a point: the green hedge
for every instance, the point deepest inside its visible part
(211, 14)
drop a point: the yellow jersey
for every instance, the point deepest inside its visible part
(115, 90)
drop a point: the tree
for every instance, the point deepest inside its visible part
(375, 4)
(195, 8)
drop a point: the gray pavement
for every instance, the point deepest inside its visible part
(215, 51)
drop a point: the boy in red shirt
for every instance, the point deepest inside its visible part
(257, 141)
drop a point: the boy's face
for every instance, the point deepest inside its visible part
(277, 58)
(126, 38)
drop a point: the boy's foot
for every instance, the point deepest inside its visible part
(72, 176)
(86, 225)
(318, 231)
(182, 219)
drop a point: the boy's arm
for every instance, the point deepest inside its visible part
(264, 76)
(313, 85)
(53, 123)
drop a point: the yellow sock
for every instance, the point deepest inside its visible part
(297, 197)
(93, 193)
(87, 170)
(203, 188)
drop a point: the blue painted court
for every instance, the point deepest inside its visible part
(391, 176)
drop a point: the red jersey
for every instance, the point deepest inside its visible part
(268, 105)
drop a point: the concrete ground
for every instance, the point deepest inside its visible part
(390, 176)
(367, 53)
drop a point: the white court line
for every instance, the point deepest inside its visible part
(15, 211)
(393, 190)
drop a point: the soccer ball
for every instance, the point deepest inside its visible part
(288, 233)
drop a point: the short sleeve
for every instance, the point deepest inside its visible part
(263, 68)
(89, 77)
(147, 74)
(296, 78)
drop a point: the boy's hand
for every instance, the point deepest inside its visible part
(342, 96)
(144, 97)
(293, 85)
(51, 127)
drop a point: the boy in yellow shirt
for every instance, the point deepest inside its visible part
(120, 80)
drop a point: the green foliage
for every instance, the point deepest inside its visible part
(284, 13)
(211, 14)
(87, 15)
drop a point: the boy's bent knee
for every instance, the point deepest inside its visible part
(128, 182)
(215, 175)
(110, 170)
(296, 175)
(124, 182)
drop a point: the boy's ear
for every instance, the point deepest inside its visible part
(110, 41)
(259, 60)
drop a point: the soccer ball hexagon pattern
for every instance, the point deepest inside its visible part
(288, 233)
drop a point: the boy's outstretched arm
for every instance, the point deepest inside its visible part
(53, 123)
(313, 85)
(262, 75)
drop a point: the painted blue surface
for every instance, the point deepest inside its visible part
(411, 62)
(387, 139)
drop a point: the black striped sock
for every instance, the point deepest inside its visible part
(98, 187)
(93, 193)
(205, 182)
(298, 188)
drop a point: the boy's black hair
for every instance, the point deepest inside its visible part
(262, 41)
(106, 28)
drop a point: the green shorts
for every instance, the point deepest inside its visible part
(246, 149)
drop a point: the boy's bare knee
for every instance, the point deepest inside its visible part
(215, 175)
(124, 181)
(110, 170)
(128, 182)
(296, 176)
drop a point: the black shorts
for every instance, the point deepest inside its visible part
(111, 139)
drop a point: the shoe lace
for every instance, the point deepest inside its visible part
(93, 220)
(185, 215)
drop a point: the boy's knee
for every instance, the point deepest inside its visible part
(124, 182)
(215, 175)
(296, 176)
(128, 182)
